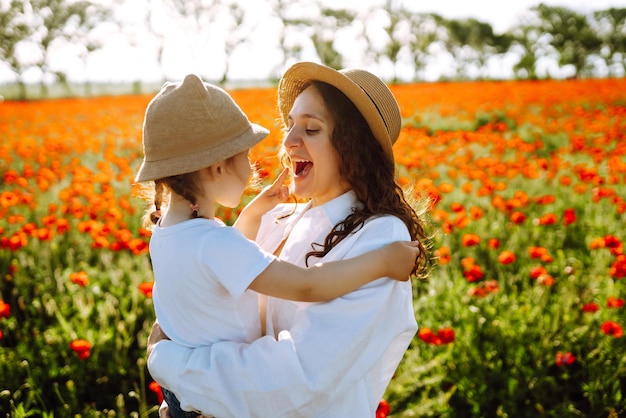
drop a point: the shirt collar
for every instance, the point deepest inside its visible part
(338, 209)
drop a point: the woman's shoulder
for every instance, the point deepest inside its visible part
(386, 225)
(384, 220)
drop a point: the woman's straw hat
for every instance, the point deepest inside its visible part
(368, 93)
(190, 125)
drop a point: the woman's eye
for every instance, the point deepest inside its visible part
(312, 131)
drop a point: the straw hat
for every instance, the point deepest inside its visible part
(190, 125)
(368, 93)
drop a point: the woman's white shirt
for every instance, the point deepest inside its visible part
(331, 359)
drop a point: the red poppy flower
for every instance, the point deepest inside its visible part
(473, 273)
(62, 225)
(537, 252)
(537, 271)
(80, 278)
(146, 288)
(545, 200)
(5, 309)
(8, 199)
(618, 268)
(611, 241)
(468, 240)
(506, 257)
(493, 243)
(483, 289)
(591, 307)
(82, 348)
(547, 219)
(443, 255)
(612, 328)
(564, 358)
(456, 207)
(443, 336)
(613, 302)
(156, 388)
(596, 243)
(518, 217)
(383, 409)
(569, 216)
(546, 280)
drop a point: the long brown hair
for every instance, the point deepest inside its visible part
(370, 173)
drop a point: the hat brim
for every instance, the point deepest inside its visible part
(153, 170)
(295, 78)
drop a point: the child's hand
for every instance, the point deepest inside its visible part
(400, 257)
(276, 193)
(249, 219)
(270, 196)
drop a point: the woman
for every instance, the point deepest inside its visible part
(332, 359)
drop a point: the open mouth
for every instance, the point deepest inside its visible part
(303, 167)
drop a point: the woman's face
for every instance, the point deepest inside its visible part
(314, 160)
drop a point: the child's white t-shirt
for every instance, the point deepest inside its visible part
(202, 270)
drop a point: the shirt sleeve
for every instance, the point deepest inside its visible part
(235, 260)
(330, 347)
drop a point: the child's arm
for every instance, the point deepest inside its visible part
(250, 217)
(329, 280)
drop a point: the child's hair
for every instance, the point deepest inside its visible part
(187, 185)
(156, 193)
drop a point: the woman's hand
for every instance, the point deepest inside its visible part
(156, 335)
(400, 258)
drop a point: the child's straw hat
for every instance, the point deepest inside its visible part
(190, 125)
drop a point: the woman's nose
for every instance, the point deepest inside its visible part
(292, 138)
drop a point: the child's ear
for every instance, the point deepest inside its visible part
(215, 170)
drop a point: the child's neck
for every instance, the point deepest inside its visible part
(179, 210)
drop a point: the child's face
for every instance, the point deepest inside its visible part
(314, 159)
(237, 173)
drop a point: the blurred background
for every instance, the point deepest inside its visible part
(78, 46)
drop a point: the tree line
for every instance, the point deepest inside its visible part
(585, 44)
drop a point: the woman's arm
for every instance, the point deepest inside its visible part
(326, 281)
(330, 349)
(249, 219)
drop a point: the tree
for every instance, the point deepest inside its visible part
(13, 31)
(325, 33)
(396, 15)
(425, 34)
(58, 23)
(85, 18)
(611, 28)
(389, 40)
(198, 16)
(236, 34)
(528, 38)
(472, 42)
(571, 35)
(290, 46)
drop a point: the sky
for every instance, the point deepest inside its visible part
(122, 61)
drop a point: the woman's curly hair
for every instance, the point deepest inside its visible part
(371, 174)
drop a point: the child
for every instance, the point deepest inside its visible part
(196, 141)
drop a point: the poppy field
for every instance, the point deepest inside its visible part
(523, 313)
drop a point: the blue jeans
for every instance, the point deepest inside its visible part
(174, 406)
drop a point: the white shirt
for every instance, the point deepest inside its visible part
(202, 270)
(333, 359)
